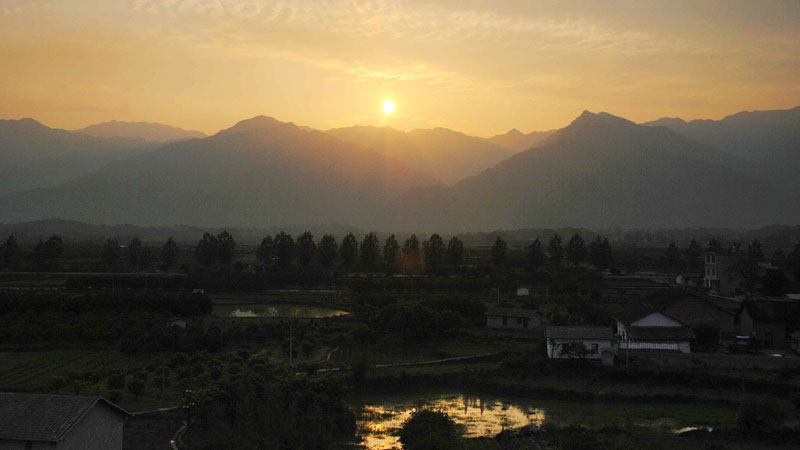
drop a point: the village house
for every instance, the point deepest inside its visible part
(689, 280)
(718, 273)
(796, 341)
(513, 318)
(664, 320)
(569, 342)
(59, 422)
(769, 322)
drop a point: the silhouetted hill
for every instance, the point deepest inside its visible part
(445, 154)
(518, 141)
(33, 155)
(73, 231)
(155, 132)
(260, 172)
(769, 140)
(603, 170)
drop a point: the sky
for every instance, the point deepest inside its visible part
(480, 67)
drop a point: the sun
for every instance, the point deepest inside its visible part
(388, 107)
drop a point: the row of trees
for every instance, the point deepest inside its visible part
(46, 254)
(598, 252)
(283, 250)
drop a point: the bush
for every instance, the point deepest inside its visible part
(427, 429)
(759, 417)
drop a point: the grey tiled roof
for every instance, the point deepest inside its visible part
(43, 417)
(598, 333)
(661, 333)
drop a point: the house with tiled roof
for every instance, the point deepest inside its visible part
(663, 321)
(571, 342)
(59, 422)
(514, 318)
(769, 321)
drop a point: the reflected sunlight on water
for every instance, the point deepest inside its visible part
(278, 310)
(479, 417)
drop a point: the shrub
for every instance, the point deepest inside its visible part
(427, 429)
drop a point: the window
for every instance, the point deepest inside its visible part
(28, 444)
(505, 321)
(519, 320)
(594, 349)
(524, 322)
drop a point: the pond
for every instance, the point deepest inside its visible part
(299, 311)
(378, 418)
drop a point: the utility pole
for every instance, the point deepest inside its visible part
(163, 381)
(187, 406)
(291, 337)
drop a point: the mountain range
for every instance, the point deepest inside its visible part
(600, 170)
(148, 131)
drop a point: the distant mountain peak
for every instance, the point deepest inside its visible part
(593, 122)
(258, 123)
(148, 131)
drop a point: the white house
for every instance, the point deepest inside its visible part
(523, 292)
(513, 318)
(579, 342)
(59, 422)
(643, 327)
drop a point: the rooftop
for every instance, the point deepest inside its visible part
(661, 333)
(44, 417)
(598, 333)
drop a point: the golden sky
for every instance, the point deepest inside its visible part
(481, 67)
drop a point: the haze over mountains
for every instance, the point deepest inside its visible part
(447, 155)
(155, 132)
(600, 170)
(33, 155)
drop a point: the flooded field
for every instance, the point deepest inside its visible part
(299, 311)
(379, 418)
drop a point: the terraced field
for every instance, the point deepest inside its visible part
(34, 369)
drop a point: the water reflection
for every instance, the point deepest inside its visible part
(282, 310)
(379, 422)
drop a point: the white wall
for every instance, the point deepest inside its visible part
(656, 319)
(554, 347)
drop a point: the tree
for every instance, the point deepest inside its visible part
(284, 249)
(10, 253)
(136, 387)
(111, 250)
(306, 249)
(169, 253)
(693, 253)
(391, 254)
(411, 253)
(349, 251)
(227, 247)
(370, 251)
(265, 250)
(499, 249)
(575, 350)
(327, 251)
(606, 258)
(136, 254)
(46, 254)
(576, 249)
(673, 255)
(206, 250)
(778, 259)
(555, 251)
(793, 261)
(535, 254)
(433, 249)
(746, 266)
(455, 252)
(427, 429)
